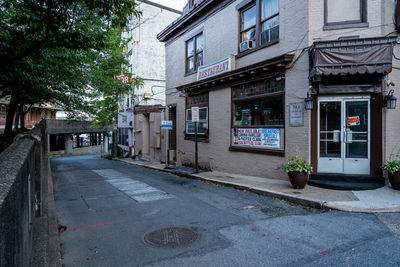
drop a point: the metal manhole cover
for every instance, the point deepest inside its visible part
(172, 237)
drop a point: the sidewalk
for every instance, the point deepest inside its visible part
(384, 199)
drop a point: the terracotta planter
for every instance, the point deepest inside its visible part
(298, 179)
(394, 179)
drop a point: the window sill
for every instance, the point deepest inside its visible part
(242, 54)
(201, 139)
(273, 152)
(345, 26)
(190, 73)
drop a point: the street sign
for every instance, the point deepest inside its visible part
(195, 114)
(166, 125)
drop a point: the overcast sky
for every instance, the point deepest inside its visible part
(176, 4)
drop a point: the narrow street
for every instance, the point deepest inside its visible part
(109, 207)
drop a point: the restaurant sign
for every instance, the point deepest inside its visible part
(257, 137)
(214, 69)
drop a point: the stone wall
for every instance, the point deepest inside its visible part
(27, 213)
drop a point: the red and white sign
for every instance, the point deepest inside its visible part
(195, 114)
(124, 79)
(214, 69)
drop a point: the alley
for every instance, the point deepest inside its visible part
(109, 207)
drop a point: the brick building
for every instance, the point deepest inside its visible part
(249, 65)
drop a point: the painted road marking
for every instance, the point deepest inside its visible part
(136, 190)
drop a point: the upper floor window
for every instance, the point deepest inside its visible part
(345, 14)
(259, 23)
(3, 112)
(194, 53)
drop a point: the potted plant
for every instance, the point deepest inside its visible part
(298, 170)
(392, 166)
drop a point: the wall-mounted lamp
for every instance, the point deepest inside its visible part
(389, 101)
(308, 102)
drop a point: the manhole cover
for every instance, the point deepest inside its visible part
(172, 237)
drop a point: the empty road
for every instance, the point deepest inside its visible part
(113, 212)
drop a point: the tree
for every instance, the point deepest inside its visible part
(46, 47)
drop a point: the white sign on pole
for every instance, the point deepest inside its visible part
(195, 114)
(166, 125)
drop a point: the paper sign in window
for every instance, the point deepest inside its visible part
(353, 121)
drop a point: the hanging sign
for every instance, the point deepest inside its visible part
(257, 137)
(353, 121)
(124, 79)
(296, 114)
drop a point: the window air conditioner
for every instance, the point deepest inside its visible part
(146, 95)
(248, 44)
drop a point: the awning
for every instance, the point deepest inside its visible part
(349, 57)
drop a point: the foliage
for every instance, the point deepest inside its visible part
(393, 164)
(297, 163)
(108, 156)
(47, 48)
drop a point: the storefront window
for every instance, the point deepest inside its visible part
(258, 117)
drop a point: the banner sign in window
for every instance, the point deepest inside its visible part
(353, 121)
(257, 137)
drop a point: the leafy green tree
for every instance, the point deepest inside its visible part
(46, 47)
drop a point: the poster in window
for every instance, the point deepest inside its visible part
(256, 137)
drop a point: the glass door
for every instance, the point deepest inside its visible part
(356, 138)
(344, 139)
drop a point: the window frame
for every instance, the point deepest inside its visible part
(195, 53)
(3, 112)
(363, 22)
(201, 137)
(244, 6)
(269, 151)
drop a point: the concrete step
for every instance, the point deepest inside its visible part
(339, 177)
(345, 185)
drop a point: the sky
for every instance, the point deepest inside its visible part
(176, 4)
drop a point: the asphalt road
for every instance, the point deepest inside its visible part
(109, 206)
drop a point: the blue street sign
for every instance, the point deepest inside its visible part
(166, 125)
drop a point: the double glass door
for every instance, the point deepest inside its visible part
(344, 135)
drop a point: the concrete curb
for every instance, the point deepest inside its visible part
(323, 205)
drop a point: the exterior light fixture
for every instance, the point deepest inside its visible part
(308, 102)
(390, 100)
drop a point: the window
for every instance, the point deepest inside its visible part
(258, 117)
(345, 14)
(260, 22)
(248, 25)
(194, 53)
(200, 101)
(3, 113)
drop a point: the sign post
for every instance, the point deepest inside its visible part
(166, 125)
(195, 119)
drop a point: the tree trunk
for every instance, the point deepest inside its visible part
(10, 115)
(22, 121)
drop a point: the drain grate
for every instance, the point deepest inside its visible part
(172, 237)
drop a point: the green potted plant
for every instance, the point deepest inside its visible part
(297, 169)
(392, 166)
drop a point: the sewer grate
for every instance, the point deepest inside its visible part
(172, 237)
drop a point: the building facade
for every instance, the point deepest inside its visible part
(249, 65)
(146, 56)
(34, 116)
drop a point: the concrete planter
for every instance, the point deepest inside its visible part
(298, 179)
(394, 179)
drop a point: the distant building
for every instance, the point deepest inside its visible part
(249, 65)
(34, 116)
(146, 56)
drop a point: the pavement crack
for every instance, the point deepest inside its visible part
(84, 200)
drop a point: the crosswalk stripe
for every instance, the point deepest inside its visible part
(136, 190)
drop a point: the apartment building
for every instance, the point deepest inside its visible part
(146, 56)
(279, 78)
